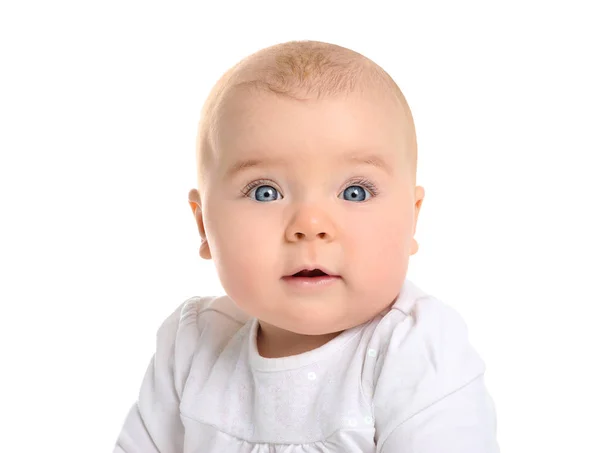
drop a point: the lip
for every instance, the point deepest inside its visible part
(310, 268)
(310, 283)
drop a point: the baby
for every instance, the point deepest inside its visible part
(308, 206)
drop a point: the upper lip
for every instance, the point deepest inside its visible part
(312, 268)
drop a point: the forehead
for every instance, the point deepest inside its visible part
(255, 125)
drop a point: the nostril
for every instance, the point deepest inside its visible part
(302, 235)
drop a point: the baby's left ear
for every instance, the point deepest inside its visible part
(414, 246)
(419, 196)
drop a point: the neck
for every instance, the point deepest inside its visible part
(273, 342)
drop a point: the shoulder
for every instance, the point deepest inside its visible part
(430, 326)
(423, 354)
(193, 315)
(199, 323)
(420, 326)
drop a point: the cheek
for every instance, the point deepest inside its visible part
(243, 243)
(381, 244)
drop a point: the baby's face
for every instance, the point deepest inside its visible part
(313, 184)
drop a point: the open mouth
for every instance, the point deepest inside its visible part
(310, 273)
(311, 279)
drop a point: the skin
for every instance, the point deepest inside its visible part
(312, 222)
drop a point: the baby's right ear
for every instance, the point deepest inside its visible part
(194, 201)
(196, 205)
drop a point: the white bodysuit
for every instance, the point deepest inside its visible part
(406, 381)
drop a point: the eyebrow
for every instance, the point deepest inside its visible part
(373, 160)
(246, 164)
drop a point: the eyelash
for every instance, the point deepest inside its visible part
(365, 183)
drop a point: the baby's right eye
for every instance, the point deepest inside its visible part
(262, 193)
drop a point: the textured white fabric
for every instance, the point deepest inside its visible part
(407, 381)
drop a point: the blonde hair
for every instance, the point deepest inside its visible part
(299, 70)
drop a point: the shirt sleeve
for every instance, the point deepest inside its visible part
(462, 422)
(153, 424)
(430, 395)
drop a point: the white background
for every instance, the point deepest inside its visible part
(99, 104)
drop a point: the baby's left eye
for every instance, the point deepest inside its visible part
(356, 193)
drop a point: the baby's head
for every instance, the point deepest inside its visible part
(307, 160)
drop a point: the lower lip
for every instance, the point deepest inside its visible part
(311, 282)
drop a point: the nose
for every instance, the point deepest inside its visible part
(309, 223)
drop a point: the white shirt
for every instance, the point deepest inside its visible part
(406, 381)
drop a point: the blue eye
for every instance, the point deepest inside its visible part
(359, 191)
(265, 193)
(356, 193)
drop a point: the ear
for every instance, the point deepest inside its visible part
(196, 205)
(419, 196)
